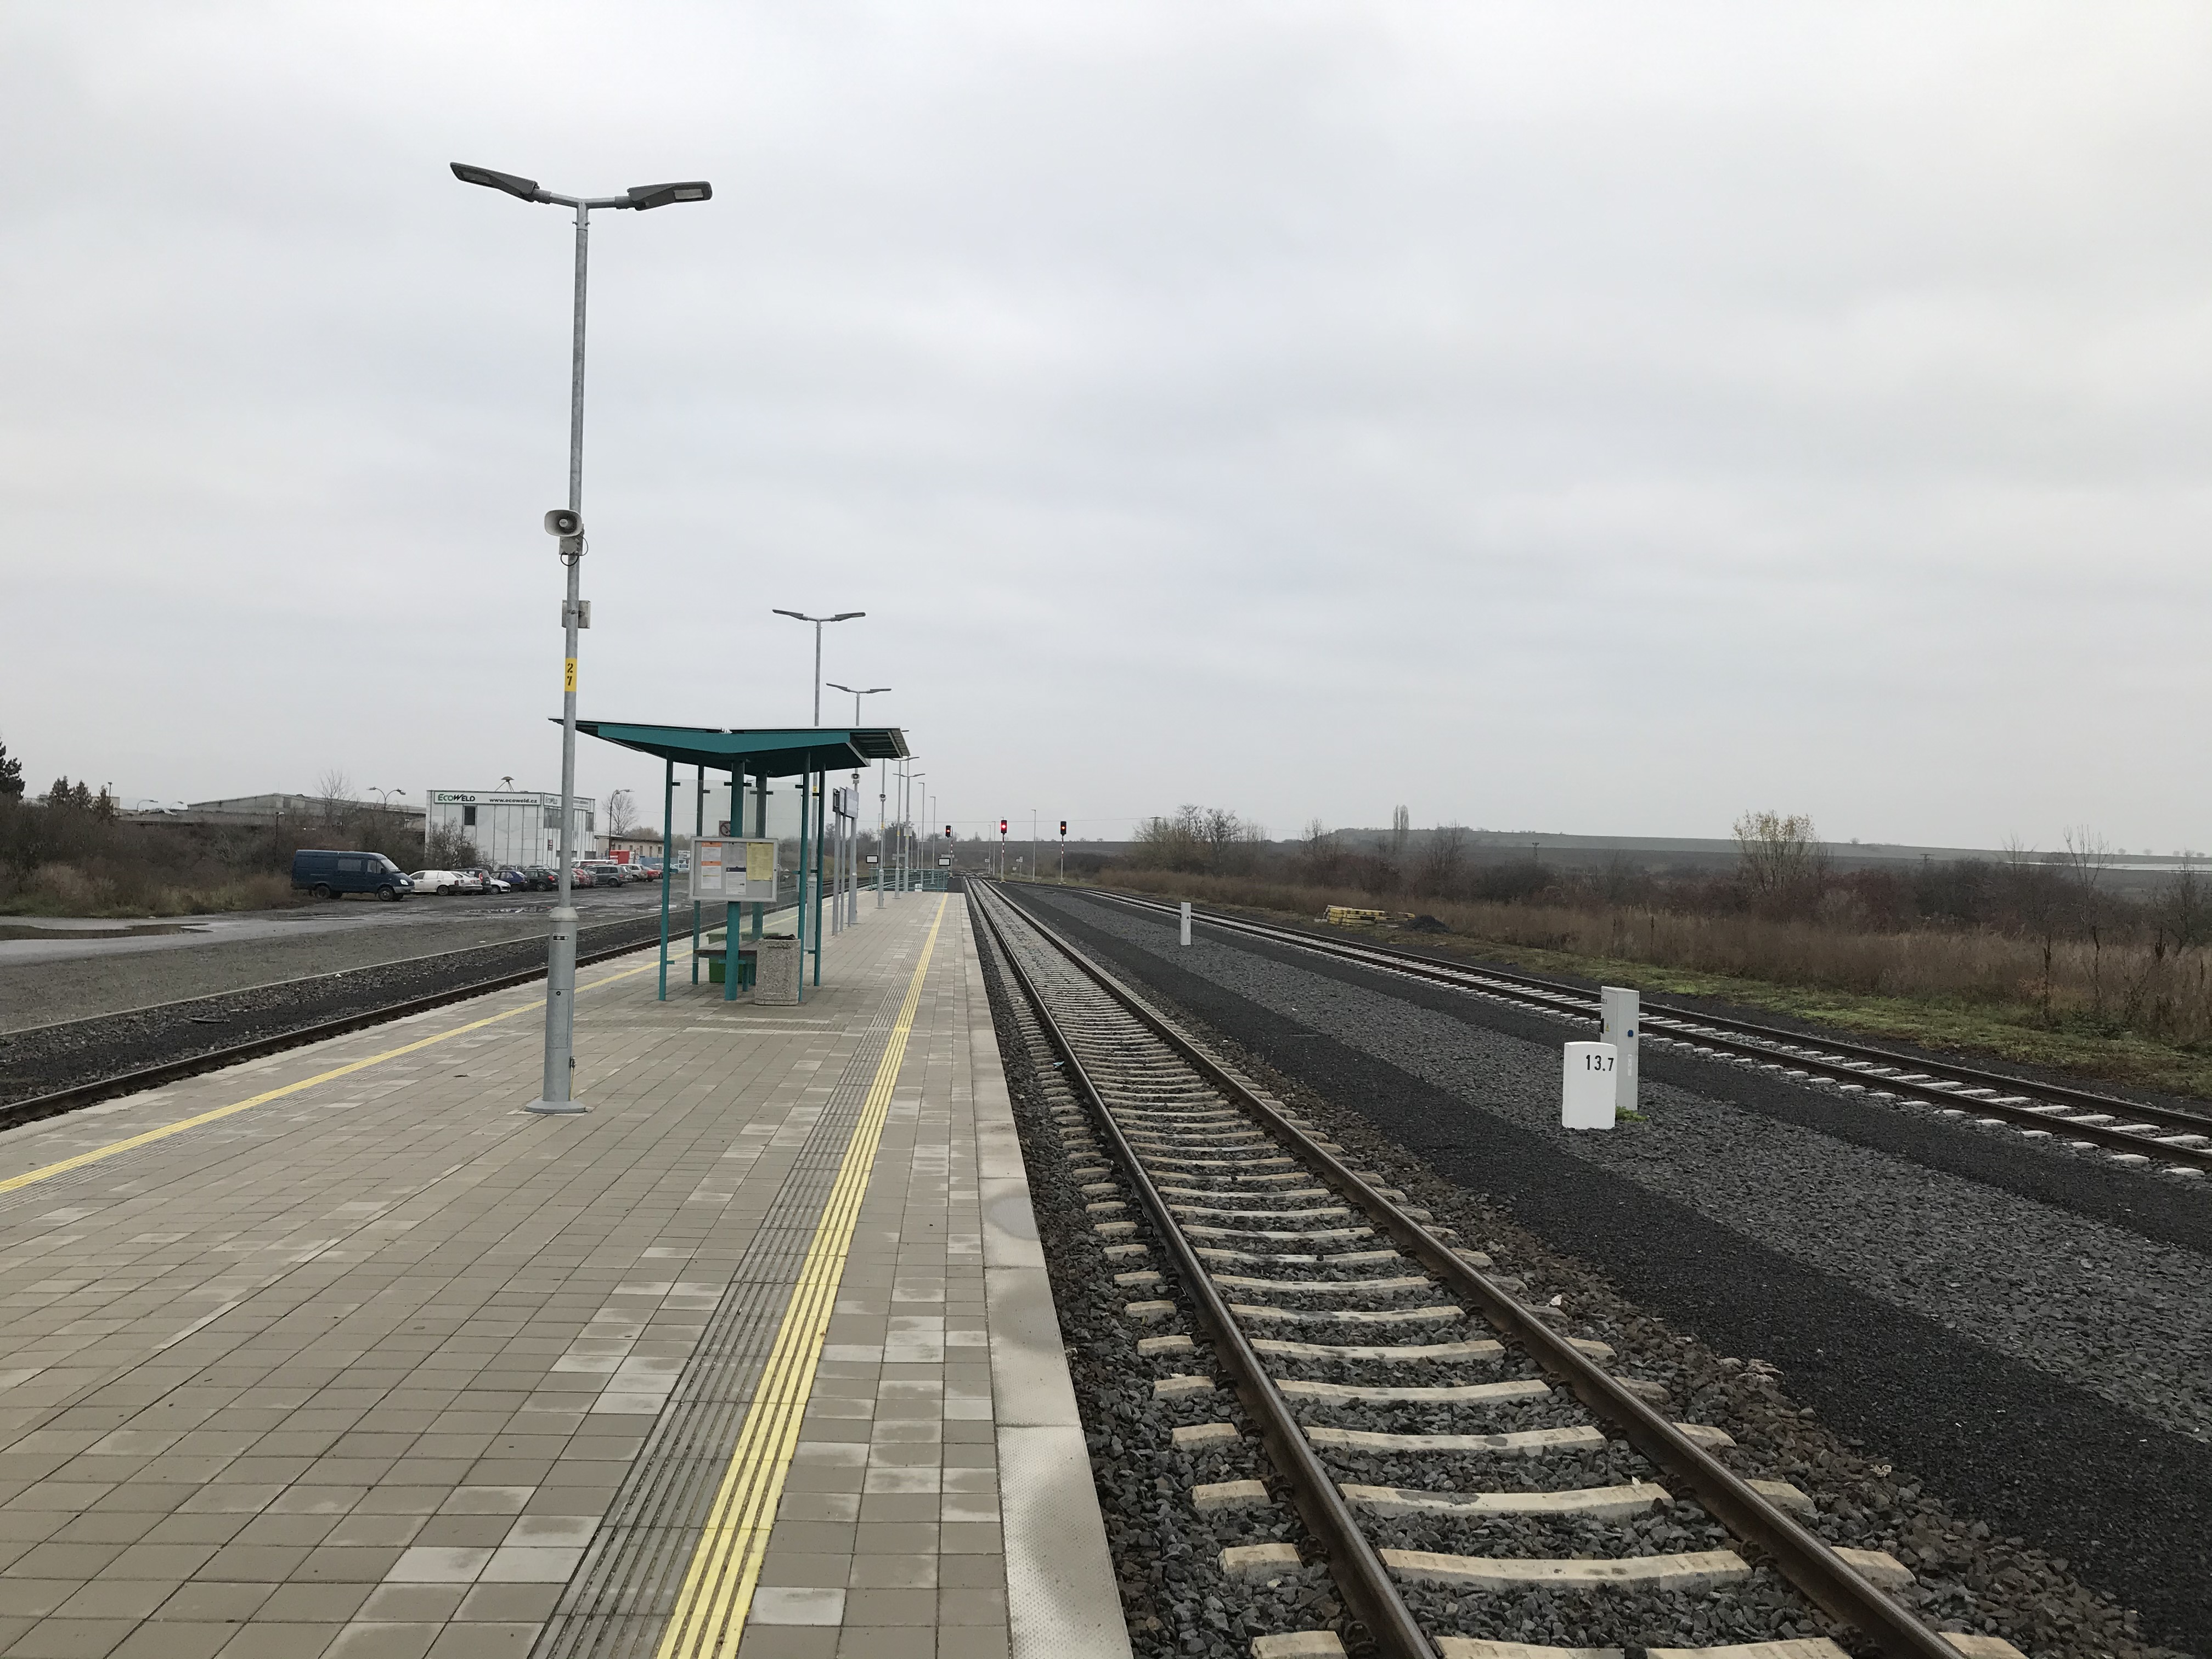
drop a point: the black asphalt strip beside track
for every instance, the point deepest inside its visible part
(2128, 1502)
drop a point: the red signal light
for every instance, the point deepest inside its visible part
(1002, 826)
(1063, 828)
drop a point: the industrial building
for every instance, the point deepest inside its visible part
(512, 826)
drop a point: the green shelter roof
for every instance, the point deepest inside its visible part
(780, 752)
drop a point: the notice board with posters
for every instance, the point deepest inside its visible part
(732, 869)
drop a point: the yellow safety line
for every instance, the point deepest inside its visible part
(30, 1177)
(718, 1588)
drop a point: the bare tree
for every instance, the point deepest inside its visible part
(1774, 851)
(334, 790)
(620, 814)
(334, 803)
(1221, 829)
(1438, 871)
(2087, 858)
(1319, 852)
(1402, 826)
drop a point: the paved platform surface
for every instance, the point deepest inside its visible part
(343, 1353)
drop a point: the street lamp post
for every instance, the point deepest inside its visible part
(857, 693)
(842, 615)
(800, 616)
(913, 850)
(556, 1095)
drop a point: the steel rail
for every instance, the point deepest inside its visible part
(36, 1108)
(1766, 1043)
(1802, 1556)
(1360, 1574)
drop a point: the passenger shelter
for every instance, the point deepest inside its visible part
(752, 757)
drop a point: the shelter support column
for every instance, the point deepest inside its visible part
(760, 832)
(667, 871)
(733, 912)
(698, 828)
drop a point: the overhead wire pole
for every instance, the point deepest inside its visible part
(556, 1094)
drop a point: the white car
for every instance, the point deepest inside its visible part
(446, 882)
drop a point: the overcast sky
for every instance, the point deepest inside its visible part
(1575, 417)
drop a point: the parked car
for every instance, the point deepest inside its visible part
(518, 879)
(467, 881)
(580, 877)
(330, 874)
(605, 872)
(436, 881)
(491, 882)
(543, 879)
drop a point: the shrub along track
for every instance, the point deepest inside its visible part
(50, 1069)
(1455, 1485)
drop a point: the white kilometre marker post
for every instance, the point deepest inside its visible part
(1619, 1012)
(1586, 1097)
(1186, 921)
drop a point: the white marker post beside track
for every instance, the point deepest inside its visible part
(1586, 1089)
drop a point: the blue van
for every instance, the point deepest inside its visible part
(327, 875)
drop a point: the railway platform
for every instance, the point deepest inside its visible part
(343, 1353)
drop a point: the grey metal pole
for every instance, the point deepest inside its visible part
(883, 829)
(913, 841)
(555, 1096)
(817, 673)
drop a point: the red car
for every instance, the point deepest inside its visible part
(582, 877)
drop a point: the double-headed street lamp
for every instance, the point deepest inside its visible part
(800, 616)
(568, 526)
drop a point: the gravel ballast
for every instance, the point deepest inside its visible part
(1774, 1239)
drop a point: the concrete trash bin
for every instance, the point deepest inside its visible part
(775, 980)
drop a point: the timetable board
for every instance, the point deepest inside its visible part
(732, 869)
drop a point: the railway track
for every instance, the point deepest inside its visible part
(131, 1080)
(2175, 1139)
(1454, 1458)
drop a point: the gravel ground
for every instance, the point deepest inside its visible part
(351, 934)
(2121, 1315)
(1798, 1197)
(49, 1057)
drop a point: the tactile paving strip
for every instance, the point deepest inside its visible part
(626, 1585)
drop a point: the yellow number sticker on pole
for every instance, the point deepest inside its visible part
(568, 680)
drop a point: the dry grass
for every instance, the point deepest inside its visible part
(67, 889)
(2126, 1012)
